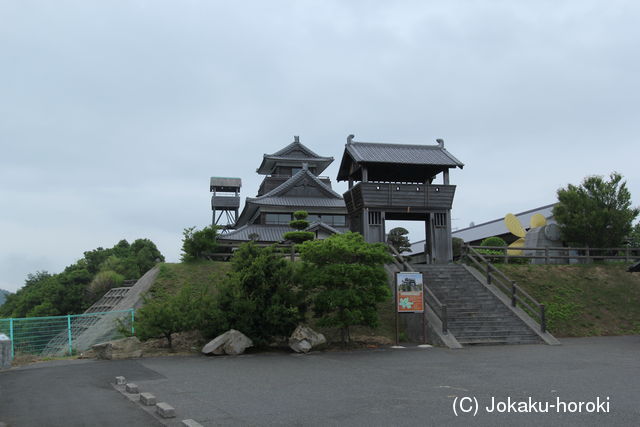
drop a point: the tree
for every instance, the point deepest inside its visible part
(260, 298)
(199, 244)
(347, 280)
(70, 291)
(399, 240)
(193, 307)
(299, 223)
(597, 213)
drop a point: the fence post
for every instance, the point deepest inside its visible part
(488, 274)
(627, 257)
(13, 342)
(546, 256)
(69, 334)
(543, 319)
(133, 318)
(513, 293)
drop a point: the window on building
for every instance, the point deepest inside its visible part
(375, 218)
(440, 219)
(277, 219)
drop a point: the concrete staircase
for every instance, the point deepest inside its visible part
(475, 314)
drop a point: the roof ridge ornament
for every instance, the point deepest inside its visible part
(350, 138)
(296, 138)
(440, 142)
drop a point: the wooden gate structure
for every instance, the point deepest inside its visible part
(397, 182)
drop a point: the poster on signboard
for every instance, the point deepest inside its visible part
(409, 292)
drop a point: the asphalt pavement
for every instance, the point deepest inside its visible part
(585, 381)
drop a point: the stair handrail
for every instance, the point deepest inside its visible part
(438, 307)
(511, 288)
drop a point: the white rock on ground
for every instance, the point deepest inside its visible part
(231, 342)
(124, 348)
(303, 339)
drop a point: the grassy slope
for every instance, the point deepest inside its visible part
(583, 300)
(173, 276)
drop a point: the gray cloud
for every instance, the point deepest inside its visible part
(114, 114)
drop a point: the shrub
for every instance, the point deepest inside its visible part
(456, 245)
(347, 280)
(164, 314)
(260, 298)
(299, 223)
(493, 255)
(493, 241)
(399, 240)
(101, 283)
(198, 244)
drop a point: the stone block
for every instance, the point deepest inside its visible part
(147, 399)
(231, 342)
(124, 348)
(131, 388)
(191, 423)
(121, 380)
(165, 410)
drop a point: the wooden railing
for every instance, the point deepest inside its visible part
(506, 285)
(563, 253)
(430, 299)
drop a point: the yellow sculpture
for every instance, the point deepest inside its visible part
(515, 227)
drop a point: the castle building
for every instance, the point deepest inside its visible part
(386, 182)
(292, 182)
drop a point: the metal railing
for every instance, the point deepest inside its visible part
(562, 253)
(506, 285)
(432, 301)
(39, 335)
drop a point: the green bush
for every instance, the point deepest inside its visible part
(299, 224)
(493, 255)
(456, 245)
(346, 280)
(101, 283)
(299, 236)
(192, 308)
(260, 298)
(493, 241)
(198, 244)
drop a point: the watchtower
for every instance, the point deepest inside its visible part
(226, 204)
(396, 182)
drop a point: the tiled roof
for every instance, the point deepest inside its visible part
(295, 179)
(373, 152)
(298, 201)
(266, 233)
(296, 145)
(271, 233)
(295, 152)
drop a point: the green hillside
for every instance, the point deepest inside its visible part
(583, 300)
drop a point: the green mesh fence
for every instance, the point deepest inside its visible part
(64, 335)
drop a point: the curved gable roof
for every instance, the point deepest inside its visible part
(295, 153)
(383, 157)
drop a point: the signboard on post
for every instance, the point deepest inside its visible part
(409, 291)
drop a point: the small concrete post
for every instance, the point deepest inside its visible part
(5, 352)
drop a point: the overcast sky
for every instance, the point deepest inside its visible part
(114, 114)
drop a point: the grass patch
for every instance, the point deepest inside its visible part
(173, 276)
(583, 300)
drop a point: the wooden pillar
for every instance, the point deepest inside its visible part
(445, 177)
(365, 174)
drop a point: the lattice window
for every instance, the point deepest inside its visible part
(375, 218)
(440, 219)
